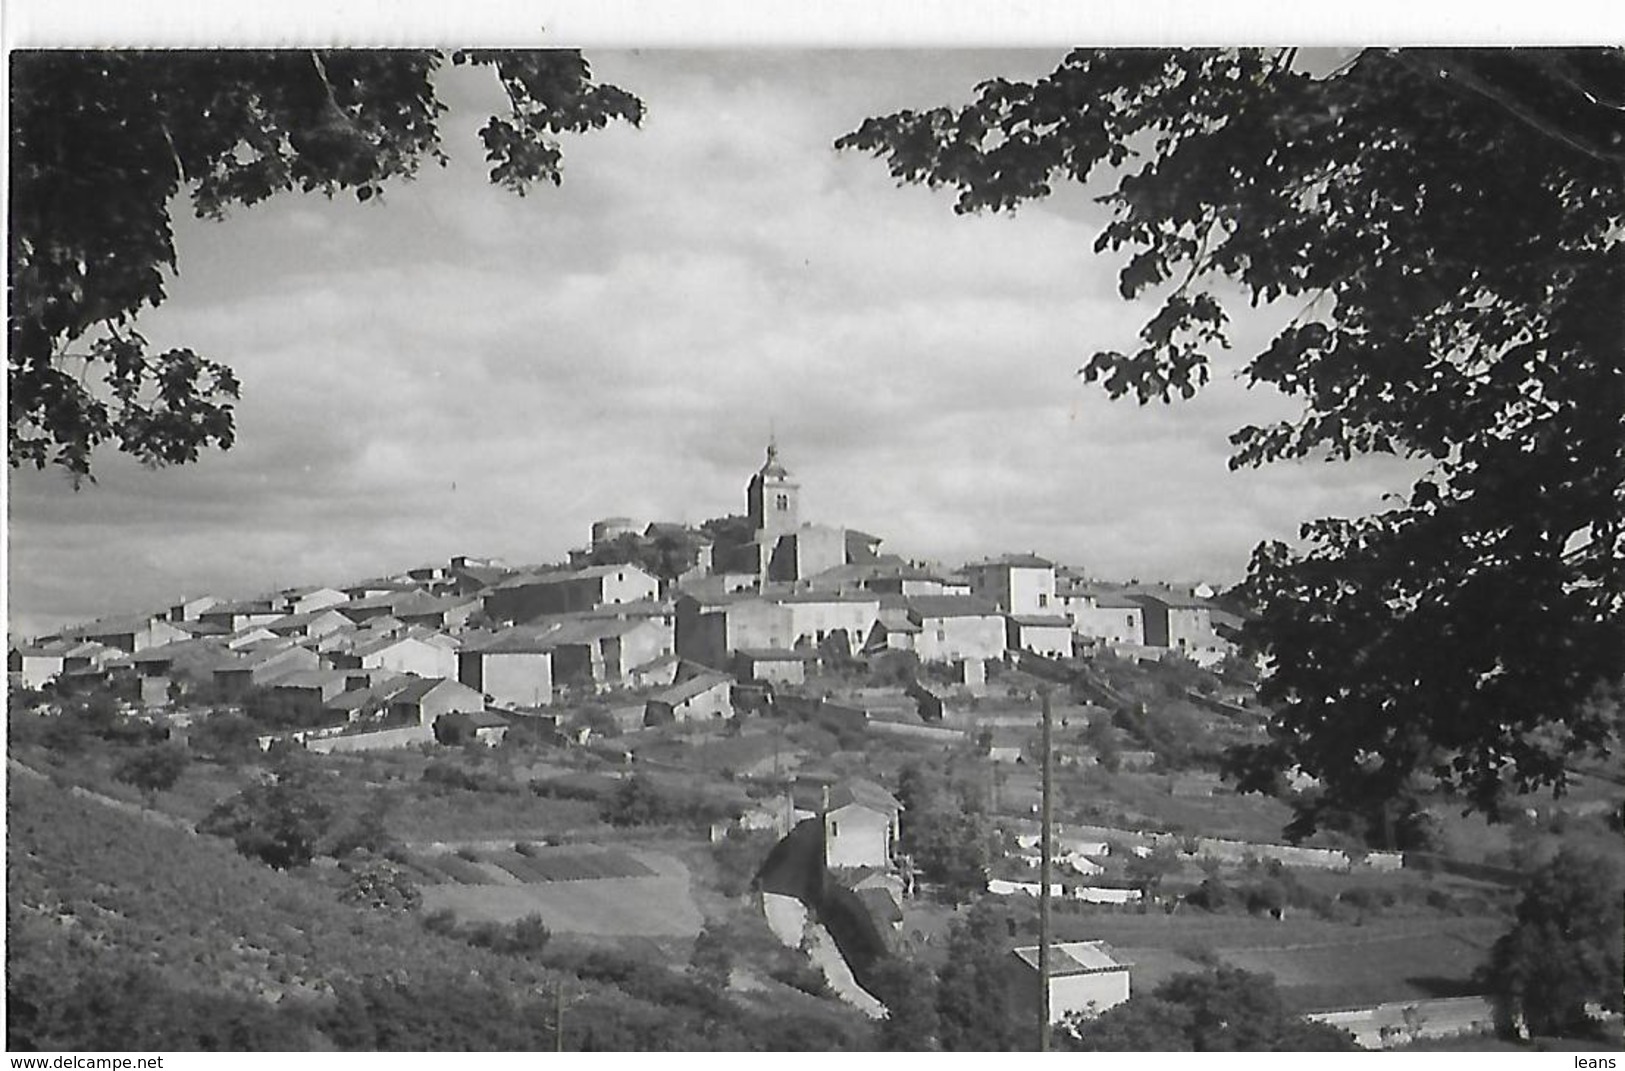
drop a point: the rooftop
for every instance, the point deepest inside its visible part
(1075, 957)
(926, 606)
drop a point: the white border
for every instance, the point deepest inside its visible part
(809, 23)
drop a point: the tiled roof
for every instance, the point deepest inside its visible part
(865, 792)
(1075, 957)
(1015, 561)
(933, 606)
(683, 691)
(415, 690)
(1176, 600)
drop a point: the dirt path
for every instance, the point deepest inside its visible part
(787, 918)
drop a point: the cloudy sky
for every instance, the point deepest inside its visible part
(461, 371)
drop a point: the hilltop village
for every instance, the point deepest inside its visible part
(667, 620)
(760, 752)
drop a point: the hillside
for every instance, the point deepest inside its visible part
(126, 933)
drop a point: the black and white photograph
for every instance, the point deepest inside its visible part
(934, 543)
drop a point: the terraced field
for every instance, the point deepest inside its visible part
(581, 889)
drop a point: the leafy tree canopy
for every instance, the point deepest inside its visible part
(1447, 226)
(1567, 947)
(281, 821)
(154, 769)
(101, 144)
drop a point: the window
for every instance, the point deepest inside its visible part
(834, 828)
(1043, 600)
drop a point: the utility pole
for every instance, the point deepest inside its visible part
(1044, 851)
(558, 1017)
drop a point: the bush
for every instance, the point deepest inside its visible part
(153, 769)
(279, 821)
(1212, 895)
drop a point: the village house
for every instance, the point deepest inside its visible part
(188, 609)
(129, 634)
(954, 627)
(527, 596)
(1042, 634)
(444, 613)
(894, 629)
(472, 576)
(159, 669)
(710, 632)
(378, 587)
(261, 667)
(860, 821)
(1181, 623)
(702, 697)
(513, 667)
(1085, 978)
(306, 600)
(1106, 614)
(309, 690)
(363, 611)
(33, 666)
(255, 636)
(308, 623)
(1015, 583)
(772, 665)
(412, 654)
(244, 613)
(817, 616)
(601, 652)
(424, 700)
(357, 703)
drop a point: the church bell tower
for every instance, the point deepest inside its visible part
(770, 499)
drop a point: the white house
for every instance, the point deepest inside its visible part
(1015, 583)
(1044, 634)
(954, 627)
(860, 824)
(1085, 977)
(703, 697)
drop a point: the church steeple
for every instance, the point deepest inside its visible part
(771, 497)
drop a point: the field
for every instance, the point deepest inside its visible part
(578, 890)
(1319, 965)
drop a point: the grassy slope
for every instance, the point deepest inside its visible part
(94, 893)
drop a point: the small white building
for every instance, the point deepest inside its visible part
(1085, 977)
(860, 825)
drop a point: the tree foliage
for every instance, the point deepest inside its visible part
(103, 141)
(908, 988)
(971, 1016)
(1566, 948)
(945, 828)
(1446, 225)
(1226, 1010)
(280, 821)
(154, 769)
